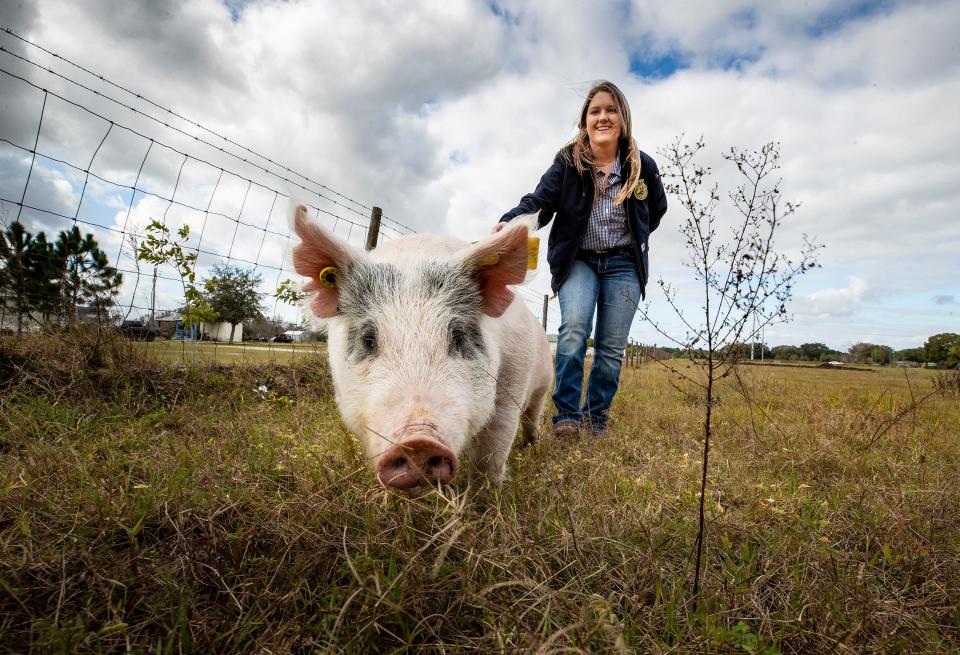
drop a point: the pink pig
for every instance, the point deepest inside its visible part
(432, 355)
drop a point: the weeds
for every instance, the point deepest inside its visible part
(948, 382)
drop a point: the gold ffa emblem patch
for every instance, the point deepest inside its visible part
(640, 191)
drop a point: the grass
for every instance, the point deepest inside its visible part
(166, 508)
(252, 352)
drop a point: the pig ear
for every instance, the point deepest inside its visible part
(323, 259)
(496, 263)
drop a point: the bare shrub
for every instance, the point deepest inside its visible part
(948, 382)
(746, 282)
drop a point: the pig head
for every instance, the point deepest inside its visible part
(431, 355)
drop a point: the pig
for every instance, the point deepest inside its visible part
(432, 355)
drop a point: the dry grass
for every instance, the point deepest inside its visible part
(251, 352)
(160, 508)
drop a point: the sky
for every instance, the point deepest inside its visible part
(446, 113)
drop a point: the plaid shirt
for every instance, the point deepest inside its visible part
(607, 227)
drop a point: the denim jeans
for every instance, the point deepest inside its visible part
(609, 284)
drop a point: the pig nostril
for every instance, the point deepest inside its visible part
(417, 461)
(395, 471)
(439, 468)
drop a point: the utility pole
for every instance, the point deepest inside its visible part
(763, 340)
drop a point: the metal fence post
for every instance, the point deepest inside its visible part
(373, 232)
(546, 303)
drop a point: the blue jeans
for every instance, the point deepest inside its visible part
(608, 283)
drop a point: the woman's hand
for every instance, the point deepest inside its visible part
(496, 228)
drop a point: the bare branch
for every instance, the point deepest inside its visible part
(744, 279)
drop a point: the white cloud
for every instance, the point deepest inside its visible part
(52, 190)
(833, 303)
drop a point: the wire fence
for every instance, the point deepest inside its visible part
(77, 149)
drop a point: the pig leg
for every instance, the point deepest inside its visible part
(532, 415)
(492, 445)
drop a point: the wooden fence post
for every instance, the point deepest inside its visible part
(373, 231)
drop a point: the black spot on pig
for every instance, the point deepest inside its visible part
(371, 291)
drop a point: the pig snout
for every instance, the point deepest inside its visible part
(415, 462)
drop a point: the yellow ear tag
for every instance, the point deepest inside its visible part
(490, 260)
(533, 252)
(328, 276)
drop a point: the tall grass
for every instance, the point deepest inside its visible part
(159, 508)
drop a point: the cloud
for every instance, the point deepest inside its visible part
(833, 303)
(945, 300)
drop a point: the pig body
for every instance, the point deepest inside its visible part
(432, 356)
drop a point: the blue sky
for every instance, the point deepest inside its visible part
(445, 113)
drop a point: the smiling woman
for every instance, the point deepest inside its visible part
(607, 197)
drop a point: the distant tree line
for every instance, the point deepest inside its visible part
(44, 281)
(942, 350)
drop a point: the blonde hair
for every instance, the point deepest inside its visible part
(578, 153)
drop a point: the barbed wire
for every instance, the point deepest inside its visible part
(84, 168)
(141, 97)
(151, 141)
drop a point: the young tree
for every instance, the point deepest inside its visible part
(745, 282)
(87, 277)
(232, 292)
(160, 247)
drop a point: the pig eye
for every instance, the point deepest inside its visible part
(458, 339)
(366, 341)
(464, 342)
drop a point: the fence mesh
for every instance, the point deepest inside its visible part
(77, 149)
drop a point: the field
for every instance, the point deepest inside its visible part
(151, 503)
(253, 352)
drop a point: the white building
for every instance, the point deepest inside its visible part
(298, 336)
(220, 331)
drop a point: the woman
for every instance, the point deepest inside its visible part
(607, 198)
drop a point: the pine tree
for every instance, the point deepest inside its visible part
(45, 269)
(87, 277)
(15, 280)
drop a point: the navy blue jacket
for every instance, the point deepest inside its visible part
(564, 193)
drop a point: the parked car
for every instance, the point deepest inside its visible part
(283, 338)
(138, 330)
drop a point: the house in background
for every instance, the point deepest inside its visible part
(166, 323)
(298, 336)
(220, 331)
